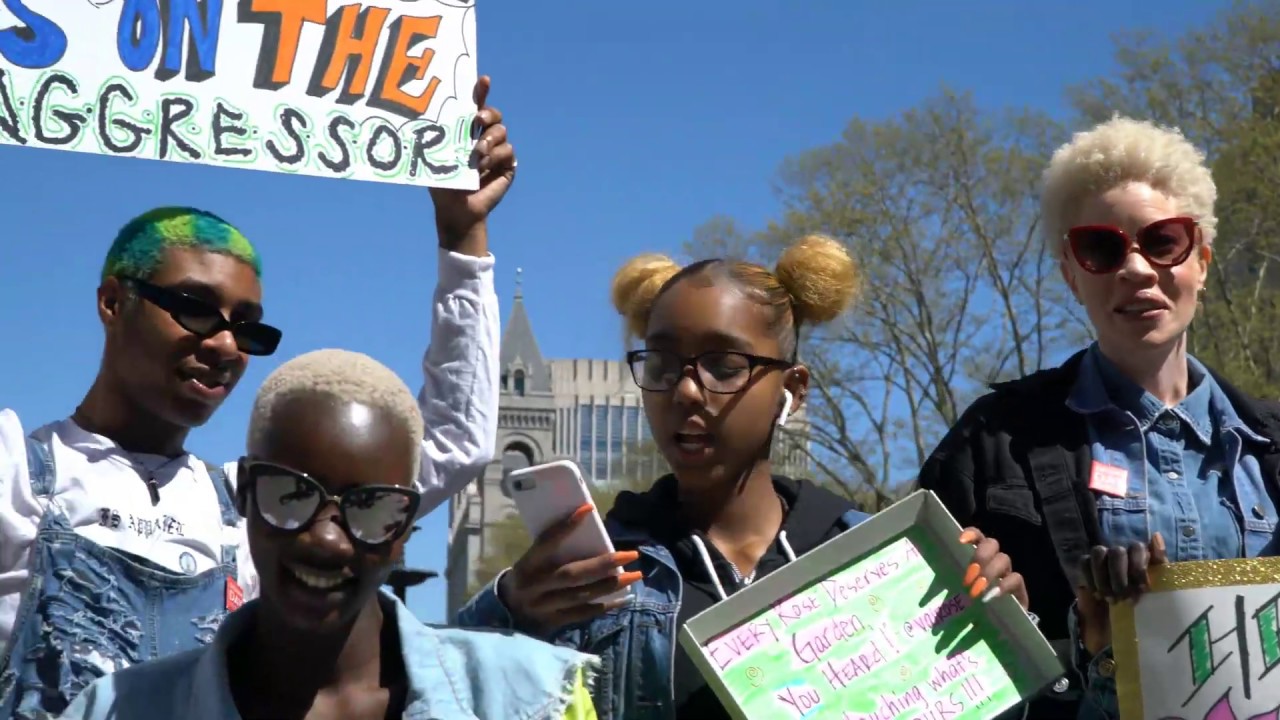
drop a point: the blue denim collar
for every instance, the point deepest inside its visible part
(211, 686)
(1101, 387)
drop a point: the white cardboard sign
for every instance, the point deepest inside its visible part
(376, 90)
(1204, 644)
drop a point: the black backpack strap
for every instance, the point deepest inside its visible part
(1055, 471)
(1059, 455)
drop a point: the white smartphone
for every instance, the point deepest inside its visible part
(546, 494)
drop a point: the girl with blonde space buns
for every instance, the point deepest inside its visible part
(717, 365)
(814, 282)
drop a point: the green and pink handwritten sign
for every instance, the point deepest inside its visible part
(1206, 645)
(874, 625)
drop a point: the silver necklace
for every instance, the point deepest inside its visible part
(147, 476)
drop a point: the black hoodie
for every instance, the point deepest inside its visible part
(812, 517)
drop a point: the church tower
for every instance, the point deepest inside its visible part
(526, 418)
(526, 427)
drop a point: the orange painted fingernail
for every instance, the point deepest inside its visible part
(1157, 541)
(582, 512)
(627, 578)
(971, 574)
(625, 558)
(979, 586)
(968, 537)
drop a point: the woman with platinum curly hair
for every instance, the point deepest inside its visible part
(1132, 452)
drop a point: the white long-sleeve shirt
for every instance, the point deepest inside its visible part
(102, 489)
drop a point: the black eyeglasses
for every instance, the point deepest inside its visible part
(290, 501)
(205, 320)
(720, 372)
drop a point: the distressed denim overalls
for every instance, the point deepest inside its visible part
(90, 610)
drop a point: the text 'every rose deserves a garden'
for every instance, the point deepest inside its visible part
(881, 639)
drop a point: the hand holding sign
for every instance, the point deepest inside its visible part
(1206, 645)
(990, 574)
(461, 214)
(879, 622)
(1110, 574)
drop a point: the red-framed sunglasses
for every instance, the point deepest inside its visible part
(1102, 249)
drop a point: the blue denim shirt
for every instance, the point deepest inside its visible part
(635, 643)
(453, 675)
(1192, 476)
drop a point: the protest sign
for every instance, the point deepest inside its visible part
(874, 624)
(1203, 644)
(375, 90)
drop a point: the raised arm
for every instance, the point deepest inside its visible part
(459, 395)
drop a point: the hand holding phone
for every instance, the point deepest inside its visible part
(571, 573)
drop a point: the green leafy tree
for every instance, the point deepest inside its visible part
(938, 205)
(1220, 84)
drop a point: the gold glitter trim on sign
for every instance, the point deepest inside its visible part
(1172, 578)
(1215, 573)
(1124, 648)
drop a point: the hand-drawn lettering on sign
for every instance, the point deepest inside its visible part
(1202, 652)
(884, 638)
(372, 90)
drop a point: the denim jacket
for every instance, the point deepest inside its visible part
(1123, 431)
(635, 643)
(453, 674)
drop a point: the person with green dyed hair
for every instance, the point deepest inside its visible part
(140, 246)
(117, 545)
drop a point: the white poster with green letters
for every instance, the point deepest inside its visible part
(376, 90)
(874, 624)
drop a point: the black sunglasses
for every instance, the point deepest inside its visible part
(1102, 249)
(290, 501)
(721, 372)
(205, 320)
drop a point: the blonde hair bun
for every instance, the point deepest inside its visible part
(821, 277)
(636, 286)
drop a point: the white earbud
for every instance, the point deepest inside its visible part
(787, 399)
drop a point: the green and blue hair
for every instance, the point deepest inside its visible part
(138, 249)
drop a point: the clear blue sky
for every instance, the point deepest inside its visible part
(633, 124)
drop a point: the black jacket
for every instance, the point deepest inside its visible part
(1016, 466)
(813, 516)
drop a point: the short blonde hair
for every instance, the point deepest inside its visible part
(345, 376)
(814, 281)
(1120, 151)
